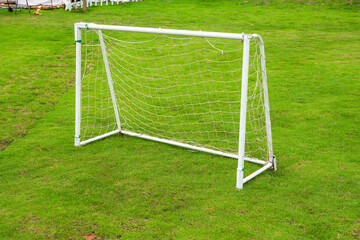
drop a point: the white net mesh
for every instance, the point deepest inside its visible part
(185, 89)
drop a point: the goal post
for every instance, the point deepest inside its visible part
(205, 91)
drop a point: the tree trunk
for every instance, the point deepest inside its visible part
(84, 6)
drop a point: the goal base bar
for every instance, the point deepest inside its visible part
(184, 145)
(254, 174)
(98, 137)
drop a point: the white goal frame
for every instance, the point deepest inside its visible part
(240, 180)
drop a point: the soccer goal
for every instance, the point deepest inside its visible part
(205, 91)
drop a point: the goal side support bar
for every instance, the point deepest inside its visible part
(267, 105)
(109, 77)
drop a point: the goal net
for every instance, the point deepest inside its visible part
(201, 90)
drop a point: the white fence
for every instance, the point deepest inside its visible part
(69, 4)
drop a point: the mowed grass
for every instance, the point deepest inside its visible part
(128, 188)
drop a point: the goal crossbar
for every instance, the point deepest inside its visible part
(164, 31)
(268, 163)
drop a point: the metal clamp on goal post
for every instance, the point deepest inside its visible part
(77, 140)
(274, 162)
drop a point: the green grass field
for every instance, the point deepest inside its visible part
(128, 188)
